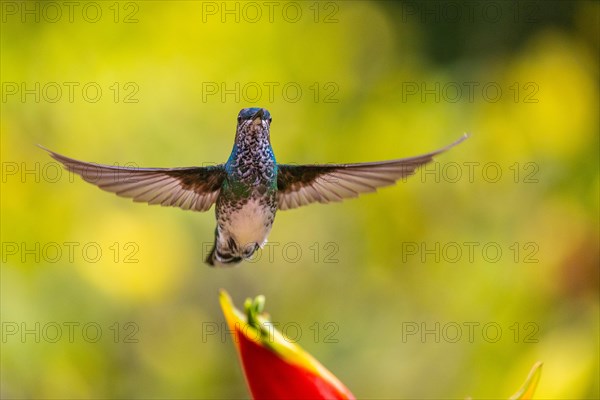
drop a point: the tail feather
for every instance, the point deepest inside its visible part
(228, 253)
(210, 259)
(211, 256)
(218, 259)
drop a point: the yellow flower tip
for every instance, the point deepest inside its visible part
(527, 390)
(232, 315)
(223, 295)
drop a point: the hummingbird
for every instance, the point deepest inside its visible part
(249, 188)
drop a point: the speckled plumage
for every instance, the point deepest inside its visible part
(247, 204)
(249, 188)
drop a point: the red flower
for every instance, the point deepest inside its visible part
(276, 368)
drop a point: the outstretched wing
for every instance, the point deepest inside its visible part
(299, 185)
(194, 188)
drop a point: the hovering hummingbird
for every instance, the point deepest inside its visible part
(249, 188)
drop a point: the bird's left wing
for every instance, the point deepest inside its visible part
(299, 185)
(193, 188)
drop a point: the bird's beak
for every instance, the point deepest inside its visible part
(257, 117)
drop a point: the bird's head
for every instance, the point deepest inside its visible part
(253, 121)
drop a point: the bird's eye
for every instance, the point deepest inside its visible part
(270, 120)
(239, 119)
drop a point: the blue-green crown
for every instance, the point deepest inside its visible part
(249, 113)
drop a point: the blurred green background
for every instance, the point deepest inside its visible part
(383, 290)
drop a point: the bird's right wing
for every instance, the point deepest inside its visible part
(193, 188)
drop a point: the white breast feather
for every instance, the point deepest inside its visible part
(247, 225)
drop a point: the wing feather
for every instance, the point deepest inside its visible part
(299, 185)
(194, 188)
